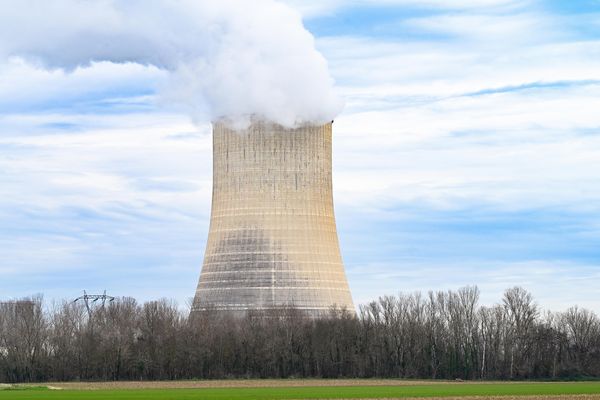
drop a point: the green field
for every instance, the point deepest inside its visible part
(322, 392)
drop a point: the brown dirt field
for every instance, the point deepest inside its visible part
(231, 383)
(240, 383)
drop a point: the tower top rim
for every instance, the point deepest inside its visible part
(241, 124)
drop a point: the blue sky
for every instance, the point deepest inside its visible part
(468, 152)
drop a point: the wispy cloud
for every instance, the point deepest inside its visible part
(467, 154)
(314, 9)
(26, 88)
(551, 282)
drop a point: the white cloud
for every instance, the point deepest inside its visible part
(495, 30)
(23, 86)
(312, 8)
(135, 162)
(227, 59)
(125, 194)
(555, 285)
(472, 122)
(458, 123)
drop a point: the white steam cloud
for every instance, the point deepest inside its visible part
(226, 59)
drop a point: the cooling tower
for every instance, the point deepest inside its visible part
(272, 241)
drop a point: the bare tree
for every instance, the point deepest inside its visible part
(444, 335)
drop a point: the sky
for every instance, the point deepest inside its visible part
(467, 153)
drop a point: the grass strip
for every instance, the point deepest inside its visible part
(322, 392)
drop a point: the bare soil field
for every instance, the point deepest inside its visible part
(242, 383)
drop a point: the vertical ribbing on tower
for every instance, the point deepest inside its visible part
(272, 240)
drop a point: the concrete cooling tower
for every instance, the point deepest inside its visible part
(272, 241)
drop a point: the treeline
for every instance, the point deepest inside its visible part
(440, 335)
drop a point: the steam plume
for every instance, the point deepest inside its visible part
(226, 58)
